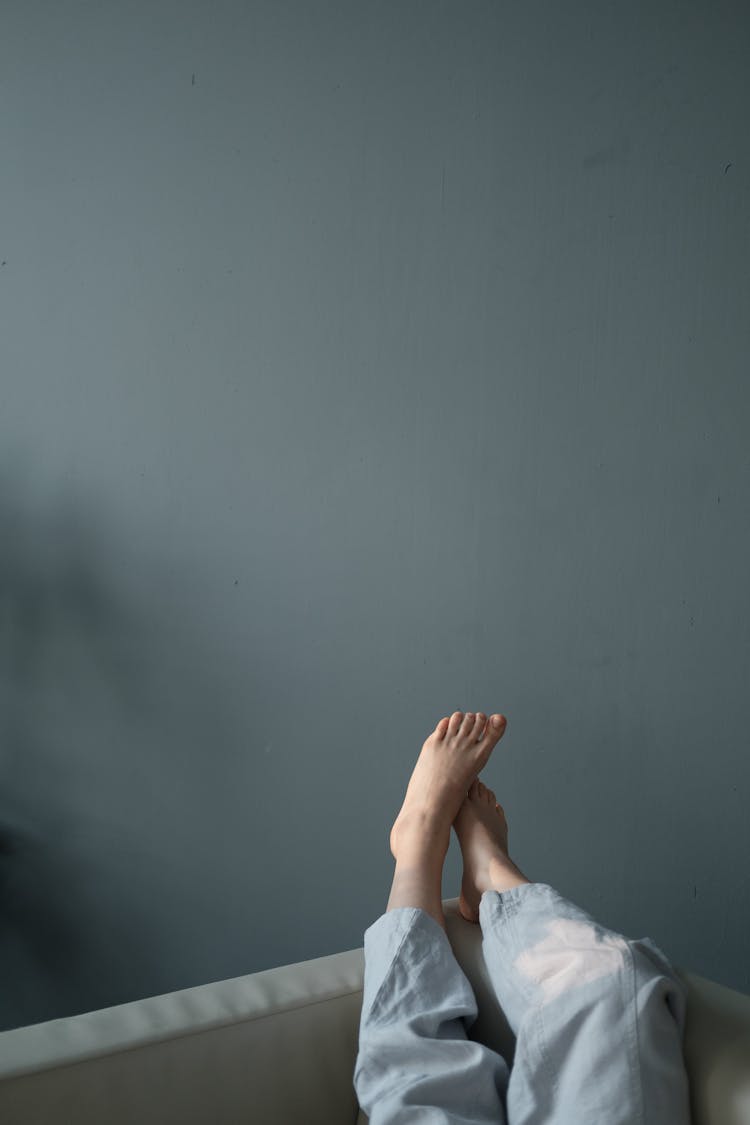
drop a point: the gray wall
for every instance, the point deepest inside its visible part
(362, 362)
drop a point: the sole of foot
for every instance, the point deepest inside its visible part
(450, 759)
(482, 832)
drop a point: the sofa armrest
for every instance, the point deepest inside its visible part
(273, 1048)
(717, 1051)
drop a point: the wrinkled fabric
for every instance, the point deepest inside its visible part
(599, 1021)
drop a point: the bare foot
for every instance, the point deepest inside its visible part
(482, 832)
(449, 761)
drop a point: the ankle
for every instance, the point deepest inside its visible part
(422, 853)
(419, 837)
(504, 875)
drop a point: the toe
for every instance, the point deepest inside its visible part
(479, 725)
(441, 728)
(455, 721)
(467, 726)
(495, 729)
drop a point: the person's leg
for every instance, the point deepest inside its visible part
(598, 1018)
(415, 1061)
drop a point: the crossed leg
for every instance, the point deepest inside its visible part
(598, 1018)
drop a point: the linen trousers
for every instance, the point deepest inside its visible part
(598, 1021)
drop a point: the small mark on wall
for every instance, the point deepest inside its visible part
(695, 891)
(192, 83)
(727, 167)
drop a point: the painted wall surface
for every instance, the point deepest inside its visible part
(360, 363)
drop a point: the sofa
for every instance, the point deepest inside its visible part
(278, 1047)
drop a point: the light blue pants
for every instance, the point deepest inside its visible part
(598, 1021)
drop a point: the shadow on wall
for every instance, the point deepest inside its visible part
(116, 742)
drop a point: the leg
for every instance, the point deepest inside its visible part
(415, 1061)
(598, 1018)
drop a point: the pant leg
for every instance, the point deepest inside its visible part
(415, 1062)
(598, 1018)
